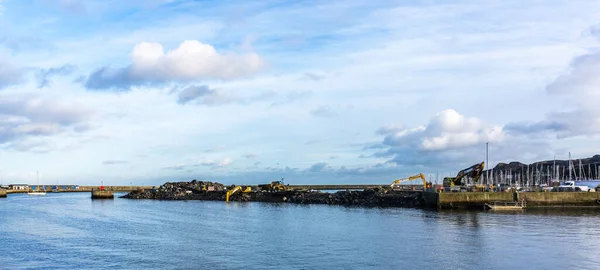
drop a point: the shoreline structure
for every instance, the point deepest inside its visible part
(375, 197)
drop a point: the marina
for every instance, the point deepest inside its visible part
(105, 232)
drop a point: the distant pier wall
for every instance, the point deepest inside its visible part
(49, 188)
(112, 188)
(533, 199)
(2, 193)
(466, 199)
(560, 199)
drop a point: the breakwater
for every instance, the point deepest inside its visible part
(369, 197)
(373, 197)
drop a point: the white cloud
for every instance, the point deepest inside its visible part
(447, 130)
(23, 117)
(448, 141)
(458, 55)
(216, 163)
(577, 90)
(191, 61)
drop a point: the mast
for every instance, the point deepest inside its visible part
(570, 167)
(580, 171)
(554, 168)
(589, 175)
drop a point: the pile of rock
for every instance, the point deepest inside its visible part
(193, 190)
(197, 190)
(368, 198)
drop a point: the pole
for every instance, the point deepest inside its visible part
(570, 166)
(553, 169)
(487, 161)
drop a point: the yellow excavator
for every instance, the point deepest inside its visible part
(426, 184)
(274, 186)
(458, 183)
(236, 189)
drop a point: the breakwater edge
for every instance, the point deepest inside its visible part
(372, 197)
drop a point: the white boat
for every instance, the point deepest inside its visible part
(37, 192)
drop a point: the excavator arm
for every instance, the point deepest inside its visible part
(231, 192)
(474, 172)
(410, 178)
(237, 189)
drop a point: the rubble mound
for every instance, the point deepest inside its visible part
(198, 190)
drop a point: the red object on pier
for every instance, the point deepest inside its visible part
(101, 187)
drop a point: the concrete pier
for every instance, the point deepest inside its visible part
(2, 193)
(532, 199)
(560, 199)
(103, 194)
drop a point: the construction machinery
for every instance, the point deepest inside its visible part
(426, 185)
(236, 189)
(274, 186)
(459, 183)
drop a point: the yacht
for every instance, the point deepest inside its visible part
(38, 192)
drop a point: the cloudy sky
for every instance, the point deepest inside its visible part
(148, 91)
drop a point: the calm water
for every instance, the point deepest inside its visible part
(71, 231)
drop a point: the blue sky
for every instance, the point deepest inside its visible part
(313, 91)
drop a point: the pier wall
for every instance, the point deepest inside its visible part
(560, 198)
(471, 199)
(112, 188)
(102, 194)
(533, 199)
(87, 189)
(431, 199)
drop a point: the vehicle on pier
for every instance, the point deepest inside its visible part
(459, 183)
(426, 185)
(570, 186)
(274, 186)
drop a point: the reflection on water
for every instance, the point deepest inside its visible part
(73, 231)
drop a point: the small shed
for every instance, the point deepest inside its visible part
(18, 186)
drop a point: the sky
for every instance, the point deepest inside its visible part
(322, 92)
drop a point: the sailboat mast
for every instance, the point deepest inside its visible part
(570, 166)
(554, 168)
(580, 171)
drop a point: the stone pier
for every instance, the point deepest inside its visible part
(102, 194)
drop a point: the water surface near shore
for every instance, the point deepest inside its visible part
(69, 230)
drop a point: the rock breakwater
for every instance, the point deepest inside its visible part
(198, 190)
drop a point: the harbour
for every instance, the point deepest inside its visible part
(125, 234)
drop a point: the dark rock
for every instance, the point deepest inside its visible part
(194, 191)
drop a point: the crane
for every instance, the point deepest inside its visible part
(410, 178)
